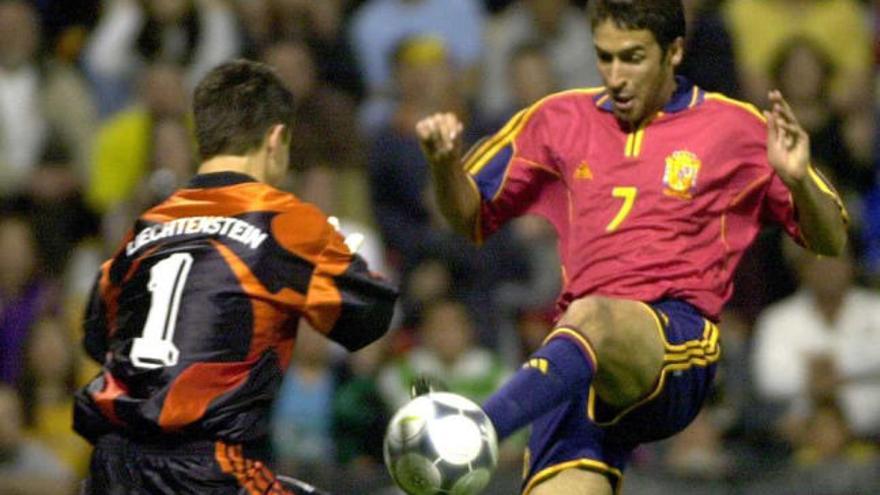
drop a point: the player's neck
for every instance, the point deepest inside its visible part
(251, 165)
(664, 96)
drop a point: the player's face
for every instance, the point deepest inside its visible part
(639, 76)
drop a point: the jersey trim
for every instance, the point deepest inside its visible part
(701, 352)
(825, 186)
(218, 179)
(752, 109)
(253, 476)
(613, 474)
(565, 332)
(478, 159)
(686, 95)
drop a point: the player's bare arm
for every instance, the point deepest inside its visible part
(788, 151)
(440, 138)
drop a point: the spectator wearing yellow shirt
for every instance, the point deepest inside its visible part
(761, 27)
(124, 146)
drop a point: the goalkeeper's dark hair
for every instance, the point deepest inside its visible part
(236, 105)
(663, 18)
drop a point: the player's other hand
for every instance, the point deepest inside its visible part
(440, 137)
(788, 144)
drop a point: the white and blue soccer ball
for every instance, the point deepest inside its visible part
(441, 443)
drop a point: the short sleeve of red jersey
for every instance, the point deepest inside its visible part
(778, 205)
(515, 170)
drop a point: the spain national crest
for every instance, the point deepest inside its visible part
(680, 177)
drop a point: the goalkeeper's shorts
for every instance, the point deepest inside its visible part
(121, 465)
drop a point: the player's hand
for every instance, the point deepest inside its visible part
(440, 137)
(788, 144)
(353, 241)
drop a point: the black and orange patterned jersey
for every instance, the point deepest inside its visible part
(194, 319)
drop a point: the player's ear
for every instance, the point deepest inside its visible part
(278, 151)
(278, 137)
(675, 51)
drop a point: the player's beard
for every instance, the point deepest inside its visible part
(656, 97)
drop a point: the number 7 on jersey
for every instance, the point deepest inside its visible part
(628, 194)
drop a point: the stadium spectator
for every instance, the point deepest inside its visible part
(826, 438)
(698, 451)
(398, 175)
(564, 36)
(256, 19)
(53, 199)
(325, 122)
(822, 342)
(760, 27)
(804, 71)
(25, 294)
(124, 145)
(709, 60)
(448, 351)
(360, 416)
(403, 205)
(132, 34)
(38, 98)
(324, 117)
(379, 26)
(531, 75)
(26, 466)
(46, 388)
(322, 26)
(303, 414)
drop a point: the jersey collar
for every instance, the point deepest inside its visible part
(218, 179)
(686, 95)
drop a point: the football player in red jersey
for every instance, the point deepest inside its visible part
(195, 317)
(655, 188)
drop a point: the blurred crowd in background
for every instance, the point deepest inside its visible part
(95, 127)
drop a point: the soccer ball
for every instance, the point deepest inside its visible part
(441, 443)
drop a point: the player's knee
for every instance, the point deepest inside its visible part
(612, 327)
(591, 317)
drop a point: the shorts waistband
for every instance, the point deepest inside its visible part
(115, 442)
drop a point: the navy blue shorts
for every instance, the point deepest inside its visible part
(585, 433)
(121, 465)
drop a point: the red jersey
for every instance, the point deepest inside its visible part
(194, 319)
(662, 211)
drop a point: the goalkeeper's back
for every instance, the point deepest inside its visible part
(195, 317)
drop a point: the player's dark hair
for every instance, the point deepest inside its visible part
(663, 18)
(236, 105)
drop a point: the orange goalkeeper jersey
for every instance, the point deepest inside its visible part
(194, 319)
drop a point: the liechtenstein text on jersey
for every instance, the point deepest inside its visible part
(238, 230)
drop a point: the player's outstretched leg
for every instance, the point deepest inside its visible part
(564, 363)
(611, 344)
